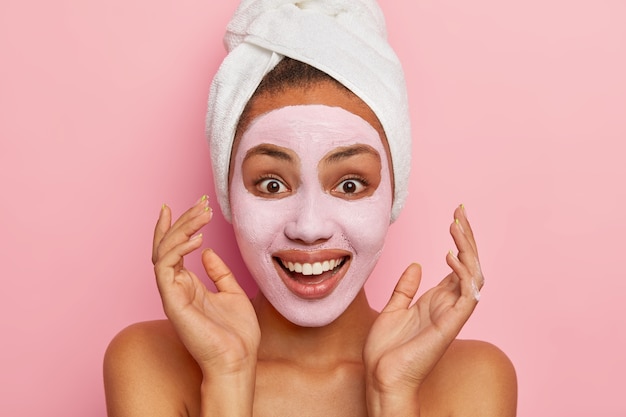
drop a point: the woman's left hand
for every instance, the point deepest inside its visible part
(406, 341)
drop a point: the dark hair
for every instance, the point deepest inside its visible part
(288, 73)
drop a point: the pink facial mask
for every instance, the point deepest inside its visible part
(311, 251)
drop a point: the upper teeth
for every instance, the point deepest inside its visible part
(316, 268)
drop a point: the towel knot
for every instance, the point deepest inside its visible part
(252, 15)
(329, 9)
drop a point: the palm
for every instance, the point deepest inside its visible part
(217, 328)
(406, 341)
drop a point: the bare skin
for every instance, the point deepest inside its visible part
(222, 354)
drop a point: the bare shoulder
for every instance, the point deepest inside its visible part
(473, 378)
(148, 371)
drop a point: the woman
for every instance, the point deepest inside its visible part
(311, 174)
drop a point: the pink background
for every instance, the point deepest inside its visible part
(519, 111)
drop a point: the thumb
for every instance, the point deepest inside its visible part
(405, 289)
(219, 273)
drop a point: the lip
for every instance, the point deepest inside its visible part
(314, 286)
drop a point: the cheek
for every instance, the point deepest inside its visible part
(366, 223)
(256, 221)
(368, 219)
(255, 230)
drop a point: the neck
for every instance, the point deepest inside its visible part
(340, 341)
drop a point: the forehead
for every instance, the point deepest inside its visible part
(324, 92)
(311, 128)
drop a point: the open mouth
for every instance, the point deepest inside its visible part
(315, 268)
(312, 275)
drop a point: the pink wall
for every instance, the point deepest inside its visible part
(519, 111)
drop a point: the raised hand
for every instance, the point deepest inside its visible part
(406, 341)
(220, 330)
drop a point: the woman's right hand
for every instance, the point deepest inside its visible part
(220, 330)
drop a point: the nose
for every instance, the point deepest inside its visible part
(312, 222)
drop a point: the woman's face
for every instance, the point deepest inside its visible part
(311, 197)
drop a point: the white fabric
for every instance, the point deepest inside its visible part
(344, 38)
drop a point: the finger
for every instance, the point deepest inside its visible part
(184, 231)
(461, 214)
(464, 304)
(466, 251)
(198, 208)
(162, 226)
(219, 273)
(164, 267)
(470, 289)
(405, 289)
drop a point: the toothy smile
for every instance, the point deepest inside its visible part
(315, 268)
(312, 274)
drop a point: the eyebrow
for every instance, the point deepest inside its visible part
(268, 150)
(350, 152)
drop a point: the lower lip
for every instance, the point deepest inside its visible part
(316, 289)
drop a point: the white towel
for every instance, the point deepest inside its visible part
(344, 38)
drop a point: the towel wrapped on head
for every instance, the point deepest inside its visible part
(346, 39)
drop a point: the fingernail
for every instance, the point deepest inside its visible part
(198, 236)
(459, 224)
(204, 201)
(452, 253)
(464, 211)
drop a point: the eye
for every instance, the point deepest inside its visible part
(351, 186)
(271, 186)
